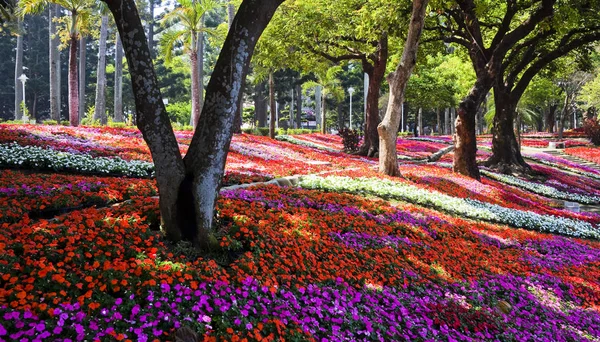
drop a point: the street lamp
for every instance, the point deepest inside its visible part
(23, 79)
(350, 91)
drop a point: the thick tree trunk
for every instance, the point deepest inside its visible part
(19, 71)
(506, 152)
(73, 90)
(550, 119)
(376, 72)
(195, 84)
(260, 104)
(465, 154)
(388, 128)
(82, 72)
(299, 106)
(118, 92)
(273, 107)
(100, 103)
(54, 64)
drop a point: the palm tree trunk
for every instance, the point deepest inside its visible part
(100, 107)
(73, 91)
(272, 105)
(118, 91)
(54, 63)
(82, 72)
(19, 71)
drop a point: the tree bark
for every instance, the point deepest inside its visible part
(447, 121)
(551, 119)
(73, 90)
(118, 92)
(150, 24)
(54, 64)
(100, 103)
(82, 72)
(506, 152)
(420, 120)
(376, 72)
(318, 99)
(195, 82)
(323, 113)
(388, 128)
(273, 107)
(19, 71)
(439, 120)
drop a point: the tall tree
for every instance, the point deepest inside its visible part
(118, 92)
(388, 128)
(100, 103)
(488, 31)
(19, 70)
(54, 56)
(82, 79)
(188, 186)
(79, 13)
(189, 15)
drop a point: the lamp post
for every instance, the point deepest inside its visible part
(350, 91)
(23, 79)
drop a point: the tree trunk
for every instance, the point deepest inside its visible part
(452, 120)
(318, 106)
(323, 113)
(376, 72)
(340, 110)
(150, 24)
(260, 104)
(82, 72)
(201, 64)
(273, 106)
(563, 116)
(195, 82)
(299, 105)
(420, 120)
(118, 92)
(439, 120)
(19, 71)
(100, 106)
(447, 121)
(506, 152)
(388, 128)
(54, 64)
(551, 119)
(73, 90)
(230, 14)
(465, 154)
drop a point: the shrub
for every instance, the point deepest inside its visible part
(50, 122)
(117, 124)
(591, 128)
(350, 139)
(65, 123)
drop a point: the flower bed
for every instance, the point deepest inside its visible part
(588, 153)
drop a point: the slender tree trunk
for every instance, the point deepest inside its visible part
(273, 106)
(299, 105)
(118, 92)
(452, 120)
(340, 110)
(551, 118)
(447, 121)
(195, 83)
(420, 120)
(73, 90)
(19, 71)
(563, 115)
(506, 152)
(376, 72)
(230, 14)
(201, 64)
(54, 64)
(323, 113)
(318, 99)
(388, 128)
(34, 107)
(100, 106)
(438, 126)
(260, 104)
(82, 72)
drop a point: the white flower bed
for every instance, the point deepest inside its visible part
(463, 207)
(14, 155)
(295, 141)
(542, 189)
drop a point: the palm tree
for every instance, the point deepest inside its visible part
(79, 14)
(186, 28)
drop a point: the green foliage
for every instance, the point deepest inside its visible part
(50, 122)
(590, 93)
(180, 112)
(117, 124)
(88, 119)
(350, 139)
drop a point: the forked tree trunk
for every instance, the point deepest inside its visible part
(506, 153)
(376, 72)
(100, 103)
(73, 89)
(54, 64)
(19, 71)
(118, 99)
(188, 188)
(273, 107)
(82, 60)
(388, 128)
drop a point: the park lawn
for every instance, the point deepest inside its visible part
(349, 255)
